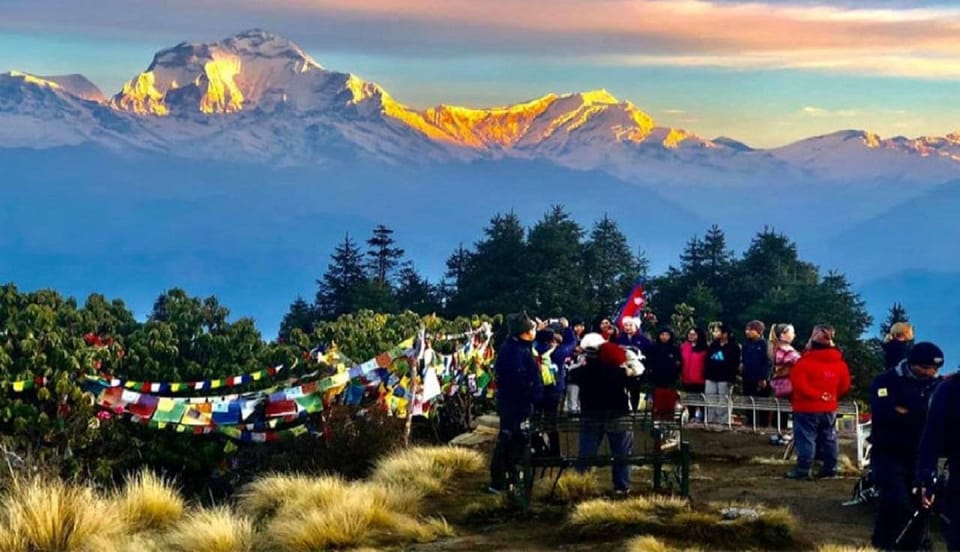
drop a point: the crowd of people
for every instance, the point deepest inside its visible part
(548, 367)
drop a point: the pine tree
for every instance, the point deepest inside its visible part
(610, 267)
(495, 277)
(301, 316)
(896, 314)
(341, 285)
(770, 273)
(693, 259)
(382, 257)
(415, 293)
(457, 265)
(718, 260)
(554, 261)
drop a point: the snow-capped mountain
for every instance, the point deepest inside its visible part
(858, 155)
(259, 97)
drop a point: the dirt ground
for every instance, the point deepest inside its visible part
(727, 466)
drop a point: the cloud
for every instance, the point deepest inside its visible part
(815, 111)
(674, 111)
(821, 112)
(861, 37)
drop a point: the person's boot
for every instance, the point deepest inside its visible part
(796, 474)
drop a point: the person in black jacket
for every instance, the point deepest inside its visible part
(896, 344)
(663, 361)
(603, 397)
(723, 361)
(519, 387)
(898, 404)
(941, 439)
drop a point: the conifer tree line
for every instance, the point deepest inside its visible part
(553, 268)
(557, 267)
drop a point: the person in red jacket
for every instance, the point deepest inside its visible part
(819, 378)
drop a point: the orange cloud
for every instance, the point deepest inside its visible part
(909, 41)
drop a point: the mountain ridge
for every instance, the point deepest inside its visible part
(260, 97)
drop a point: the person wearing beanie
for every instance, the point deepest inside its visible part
(819, 379)
(602, 381)
(519, 385)
(940, 438)
(898, 406)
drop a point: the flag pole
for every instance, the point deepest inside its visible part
(415, 384)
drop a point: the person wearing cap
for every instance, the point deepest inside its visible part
(898, 407)
(940, 438)
(519, 386)
(602, 381)
(819, 379)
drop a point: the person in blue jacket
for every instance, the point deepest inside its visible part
(519, 387)
(757, 370)
(898, 404)
(941, 438)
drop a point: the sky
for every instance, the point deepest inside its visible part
(763, 72)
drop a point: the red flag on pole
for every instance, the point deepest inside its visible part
(633, 305)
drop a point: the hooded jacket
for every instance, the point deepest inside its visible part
(663, 362)
(819, 379)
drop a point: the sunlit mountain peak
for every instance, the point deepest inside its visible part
(74, 85)
(247, 69)
(599, 96)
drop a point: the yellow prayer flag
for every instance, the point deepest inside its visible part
(18, 386)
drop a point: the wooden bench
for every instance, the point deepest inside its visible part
(848, 415)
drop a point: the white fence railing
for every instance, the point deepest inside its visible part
(848, 415)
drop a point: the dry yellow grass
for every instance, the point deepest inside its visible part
(428, 469)
(771, 461)
(846, 466)
(265, 496)
(577, 487)
(367, 515)
(149, 502)
(139, 542)
(647, 543)
(602, 513)
(636, 509)
(42, 514)
(211, 530)
(313, 492)
(844, 548)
